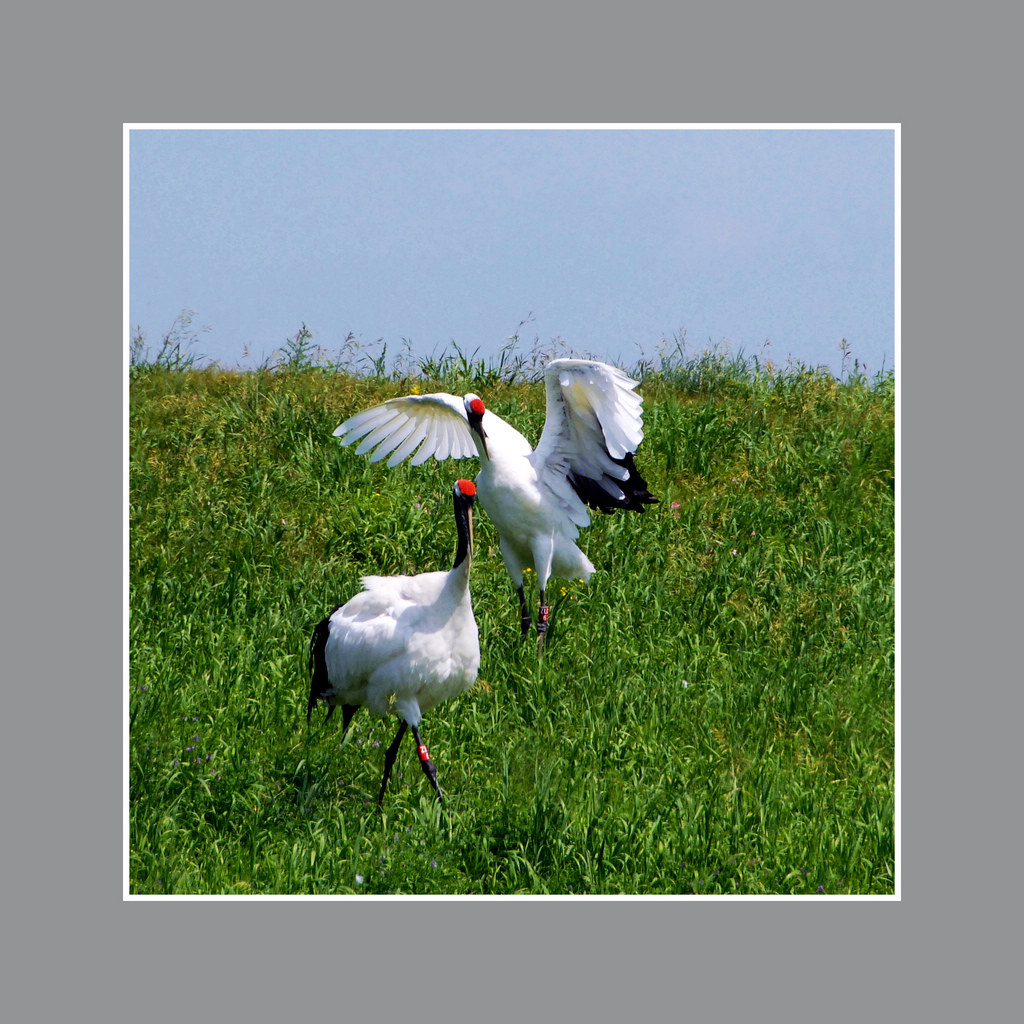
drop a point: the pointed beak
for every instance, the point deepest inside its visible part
(469, 517)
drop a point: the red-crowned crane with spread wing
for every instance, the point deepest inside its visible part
(536, 497)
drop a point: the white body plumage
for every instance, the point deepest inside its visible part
(404, 644)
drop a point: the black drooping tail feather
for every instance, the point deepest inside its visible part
(319, 685)
(635, 494)
(320, 682)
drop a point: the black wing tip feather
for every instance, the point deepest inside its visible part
(635, 494)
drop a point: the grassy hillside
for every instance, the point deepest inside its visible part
(714, 713)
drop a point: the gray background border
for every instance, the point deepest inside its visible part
(77, 76)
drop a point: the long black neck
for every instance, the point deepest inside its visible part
(465, 544)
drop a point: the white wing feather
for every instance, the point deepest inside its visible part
(436, 423)
(592, 413)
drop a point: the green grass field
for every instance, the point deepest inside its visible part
(713, 714)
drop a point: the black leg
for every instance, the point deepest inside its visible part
(389, 760)
(542, 622)
(525, 621)
(427, 764)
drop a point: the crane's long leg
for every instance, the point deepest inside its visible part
(427, 764)
(542, 622)
(389, 759)
(525, 621)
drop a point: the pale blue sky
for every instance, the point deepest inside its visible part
(615, 240)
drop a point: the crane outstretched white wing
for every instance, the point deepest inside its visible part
(436, 424)
(593, 425)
